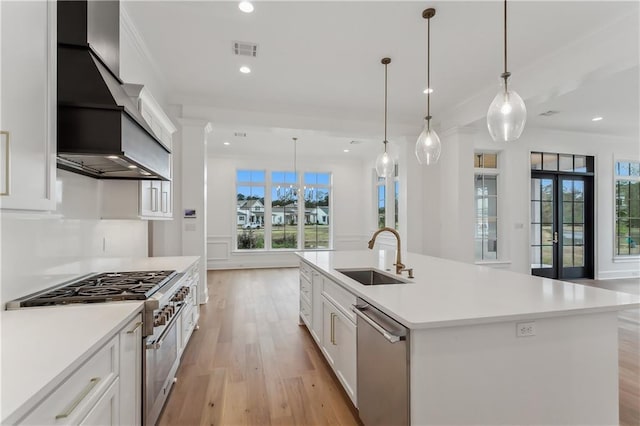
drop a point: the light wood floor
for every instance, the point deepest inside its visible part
(251, 364)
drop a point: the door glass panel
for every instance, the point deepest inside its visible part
(546, 187)
(567, 235)
(567, 256)
(580, 163)
(578, 234)
(578, 191)
(578, 212)
(547, 234)
(567, 190)
(567, 212)
(535, 189)
(535, 257)
(547, 212)
(535, 212)
(547, 257)
(578, 256)
(536, 229)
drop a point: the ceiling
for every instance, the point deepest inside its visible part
(322, 59)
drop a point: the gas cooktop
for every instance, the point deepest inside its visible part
(103, 287)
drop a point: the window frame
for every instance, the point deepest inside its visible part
(268, 211)
(495, 172)
(617, 178)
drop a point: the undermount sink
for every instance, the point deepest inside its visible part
(370, 277)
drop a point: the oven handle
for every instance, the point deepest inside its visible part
(157, 344)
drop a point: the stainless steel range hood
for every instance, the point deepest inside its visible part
(100, 130)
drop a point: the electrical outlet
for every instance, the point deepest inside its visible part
(526, 329)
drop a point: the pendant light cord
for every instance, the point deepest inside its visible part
(385, 107)
(428, 73)
(506, 73)
(295, 158)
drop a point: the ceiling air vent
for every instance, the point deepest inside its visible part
(240, 134)
(549, 113)
(243, 48)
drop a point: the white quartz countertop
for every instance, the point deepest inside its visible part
(41, 346)
(449, 293)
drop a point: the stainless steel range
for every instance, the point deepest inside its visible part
(164, 295)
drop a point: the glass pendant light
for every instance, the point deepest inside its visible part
(428, 145)
(384, 162)
(507, 113)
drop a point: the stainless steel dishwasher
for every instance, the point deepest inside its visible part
(383, 367)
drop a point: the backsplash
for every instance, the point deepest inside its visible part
(40, 250)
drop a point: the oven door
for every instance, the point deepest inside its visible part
(161, 364)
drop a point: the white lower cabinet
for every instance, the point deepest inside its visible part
(104, 390)
(325, 308)
(339, 347)
(131, 373)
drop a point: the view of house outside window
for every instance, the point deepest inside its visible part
(269, 211)
(250, 209)
(317, 188)
(486, 205)
(284, 210)
(627, 179)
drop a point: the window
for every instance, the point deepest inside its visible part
(627, 180)
(284, 210)
(250, 208)
(316, 210)
(396, 196)
(486, 205)
(382, 202)
(298, 218)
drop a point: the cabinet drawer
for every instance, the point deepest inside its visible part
(306, 291)
(71, 401)
(305, 312)
(340, 297)
(305, 270)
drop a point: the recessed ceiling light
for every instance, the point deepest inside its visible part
(429, 90)
(596, 119)
(246, 6)
(245, 70)
(133, 167)
(345, 150)
(226, 143)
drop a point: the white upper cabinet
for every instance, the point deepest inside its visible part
(28, 105)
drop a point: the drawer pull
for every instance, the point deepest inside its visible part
(138, 325)
(5, 189)
(92, 383)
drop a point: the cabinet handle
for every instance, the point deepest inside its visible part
(138, 325)
(333, 328)
(92, 383)
(165, 202)
(154, 199)
(6, 190)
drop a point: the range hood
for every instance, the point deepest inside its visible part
(101, 133)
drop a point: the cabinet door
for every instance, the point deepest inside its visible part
(345, 336)
(166, 201)
(150, 198)
(28, 105)
(131, 373)
(329, 344)
(316, 308)
(106, 411)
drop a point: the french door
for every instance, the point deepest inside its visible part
(561, 225)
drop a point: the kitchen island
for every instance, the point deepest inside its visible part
(467, 363)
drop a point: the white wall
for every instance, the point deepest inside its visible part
(350, 198)
(40, 250)
(448, 197)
